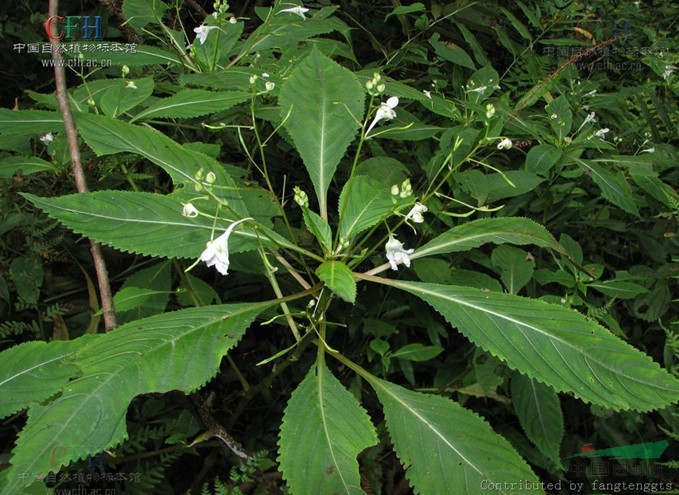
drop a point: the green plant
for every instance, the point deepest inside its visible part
(270, 99)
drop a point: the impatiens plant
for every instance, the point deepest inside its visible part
(310, 198)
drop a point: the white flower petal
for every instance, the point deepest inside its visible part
(216, 252)
(189, 211)
(505, 144)
(396, 254)
(299, 10)
(385, 111)
(202, 31)
(416, 214)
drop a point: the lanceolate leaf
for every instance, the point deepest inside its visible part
(613, 186)
(496, 230)
(29, 121)
(172, 351)
(322, 120)
(318, 227)
(539, 411)
(35, 371)
(192, 103)
(337, 276)
(553, 344)
(24, 165)
(363, 203)
(324, 429)
(144, 223)
(108, 136)
(445, 448)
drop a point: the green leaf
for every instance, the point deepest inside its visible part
(451, 52)
(29, 121)
(288, 29)
(499, 188)
(108, 136)
(560, 116)
(324, 429)
(414, 132)
(482, 84)
(145, 293)
(143, 223)
(139, 56)
(539, 411)
(518, 25)
(363, 203)
(417, 352)
(139, 13)
(406, 9)
(618, 288)
(173, 351)
(195, 292)
(318, 227)
(34, 371)
(130, 298)
(552, 344)
(322, 121)
(337, 276)
(192, 103)
(541, 158)
(24, 165)
(446, 448)
(435, 104)
(122, 97)
(614, 187)
(473, 234)
(27, 275)
(515, 267)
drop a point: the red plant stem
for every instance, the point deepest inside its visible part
(77, 166)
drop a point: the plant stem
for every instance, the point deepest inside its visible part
(277, 290)
(78, 173)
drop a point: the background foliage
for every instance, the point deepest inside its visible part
(578, 219)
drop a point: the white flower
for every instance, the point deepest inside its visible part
(394, 190)
(427, 93)
(505, 144)
(131, 85)
(233, 20)
(480, 89)
(217, 252)
(490, 110)
(386, 111)
(396, 254)
(210, 178)
(649, 150)
(202, 32)
(668, 72)
(47, 138)
(415, 214)
(299, 10)
(269, 85)
(189, 211)
(601, 133)
(590, 118)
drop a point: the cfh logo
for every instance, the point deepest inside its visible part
(74, 27)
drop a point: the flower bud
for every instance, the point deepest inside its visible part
(301, 197)
(189, 211)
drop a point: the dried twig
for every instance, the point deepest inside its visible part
(77, 166)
